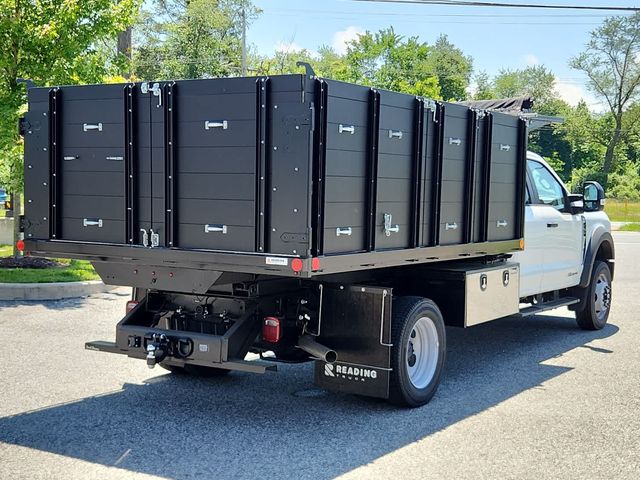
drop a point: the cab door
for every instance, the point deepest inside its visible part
(562, 243)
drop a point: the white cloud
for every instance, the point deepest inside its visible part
(531, 60)
(287, 47)
(341, 38)
(572, 93)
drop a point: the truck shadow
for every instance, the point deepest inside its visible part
(278, 426)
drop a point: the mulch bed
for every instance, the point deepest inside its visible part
(29, 262)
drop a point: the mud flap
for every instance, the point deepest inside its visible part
(355, 321)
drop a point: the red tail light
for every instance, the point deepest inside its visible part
(20, 245)
(131, 304)
(271, 329)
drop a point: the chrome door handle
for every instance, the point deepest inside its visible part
(89, 222)
(343, 231)
(92, 126)
(552, 225)
(346, 129)
(501, 223)
(451, 226)
(395, 134)
(455, 141)
(208, 125)
(215, 228)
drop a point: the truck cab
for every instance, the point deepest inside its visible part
(566, 235)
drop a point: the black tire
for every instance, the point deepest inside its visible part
(406, 313)
(196, 370)
(594, 312)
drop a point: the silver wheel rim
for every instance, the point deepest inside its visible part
(422, 352)
(602, 296)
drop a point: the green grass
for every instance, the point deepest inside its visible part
(630, 227)
(76, 271)
(619, 211)
(72, 271)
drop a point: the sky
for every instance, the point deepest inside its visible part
(496, 38)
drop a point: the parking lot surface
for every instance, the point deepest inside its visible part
(535, 398)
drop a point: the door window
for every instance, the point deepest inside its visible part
(550, 192)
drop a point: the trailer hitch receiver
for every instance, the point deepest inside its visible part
(157, 349)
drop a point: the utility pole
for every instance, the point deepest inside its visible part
(244, 42)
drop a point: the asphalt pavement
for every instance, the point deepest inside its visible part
(522, 399)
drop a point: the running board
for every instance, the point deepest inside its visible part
(237, 365)
(543, 307)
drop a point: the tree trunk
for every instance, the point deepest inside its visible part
(611, 148)
(124, 48)
(17, 212)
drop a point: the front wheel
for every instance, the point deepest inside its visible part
(418, 352)
(593, 315)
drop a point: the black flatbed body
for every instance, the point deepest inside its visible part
(290, 176)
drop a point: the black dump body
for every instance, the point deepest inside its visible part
(246, 175)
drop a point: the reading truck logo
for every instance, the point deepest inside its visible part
(349, 373)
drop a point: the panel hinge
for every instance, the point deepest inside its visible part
(388, 228)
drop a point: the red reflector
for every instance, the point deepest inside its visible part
(20, 245)
(271, 329)
(315, 264)
(131, 304)
(296, 265)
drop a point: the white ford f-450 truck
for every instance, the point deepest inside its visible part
(298, 218)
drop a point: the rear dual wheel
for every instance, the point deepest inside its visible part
(418, 352)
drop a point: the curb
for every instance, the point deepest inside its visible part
(52, 291)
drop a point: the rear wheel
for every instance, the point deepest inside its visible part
(418, 352)
(593, 315)
(195, 370)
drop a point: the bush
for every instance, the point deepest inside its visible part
(625, 184)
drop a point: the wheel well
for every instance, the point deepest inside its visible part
(605, 254)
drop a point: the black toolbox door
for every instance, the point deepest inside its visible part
(396, 160)
(347, 166)
(506, 170)
(89, 139)
(453, 174)
(214, 126)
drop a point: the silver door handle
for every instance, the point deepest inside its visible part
(346, 129)
(92, 126)
(455, 141)
(343, 231)
(89, 222)
(208, 125)
(552, 225)
(505, 148)
(71, 157)
(501, 223)
(215, 229)
(115, 158)
(451, 226)
(395, 134)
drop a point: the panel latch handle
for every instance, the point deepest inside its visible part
(209, 124)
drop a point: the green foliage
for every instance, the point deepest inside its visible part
(611, 64)
(384, 59)
(193, 39)
(591, 171)
(626, 183)
(51, 42)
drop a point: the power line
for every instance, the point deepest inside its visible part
(468, 3)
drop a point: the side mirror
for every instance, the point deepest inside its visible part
(576, 203)
(593, 194)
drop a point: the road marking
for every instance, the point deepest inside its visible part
(122, 457)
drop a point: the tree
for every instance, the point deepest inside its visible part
(191, 39)
(452, 68)
(50, 42)
(535, 81)
(611, 64)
